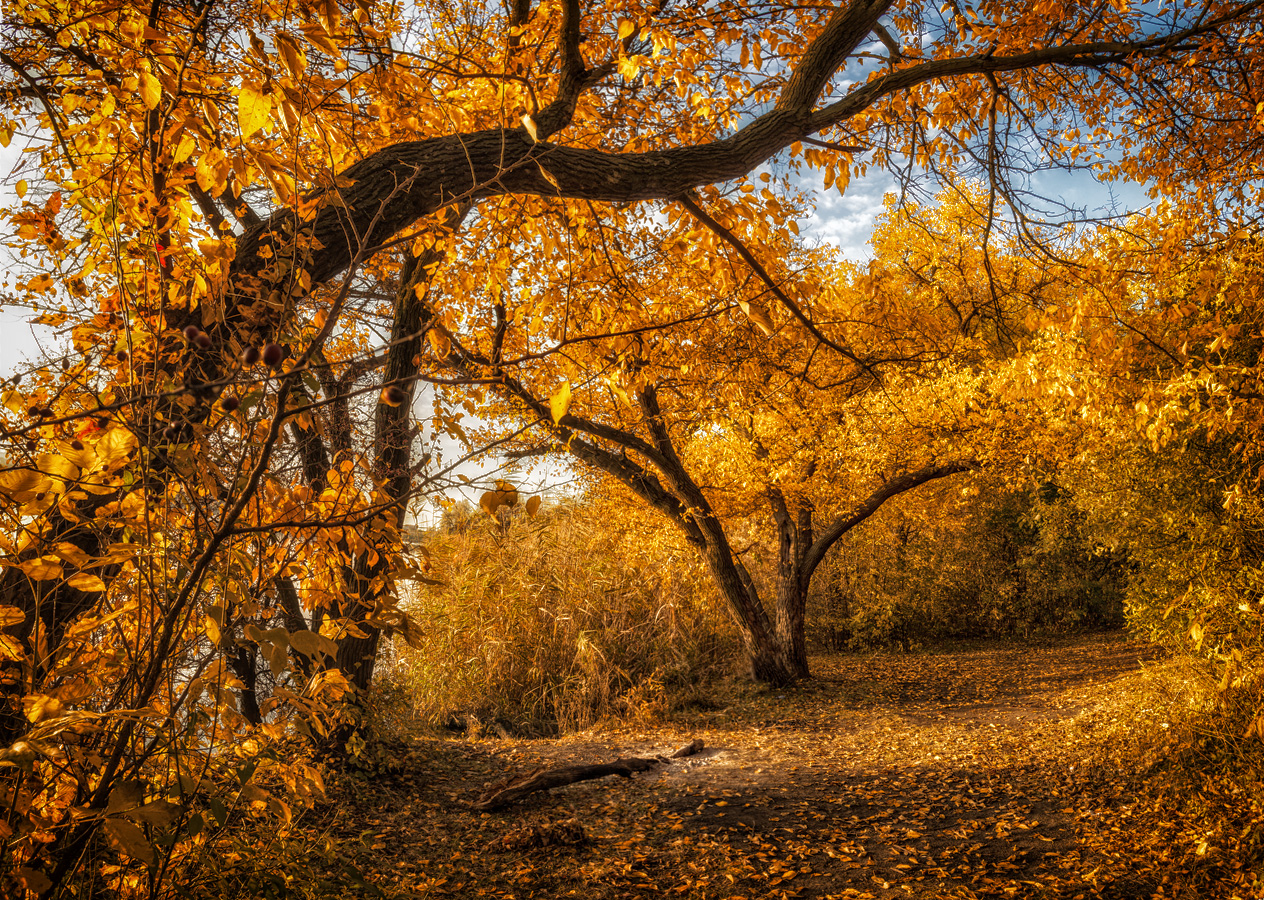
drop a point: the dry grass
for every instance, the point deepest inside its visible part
(556, 623)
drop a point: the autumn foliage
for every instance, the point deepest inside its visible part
(294, 253)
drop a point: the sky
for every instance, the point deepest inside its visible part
(19, 341)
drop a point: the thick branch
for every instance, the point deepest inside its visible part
(515, 788)
(381, 195)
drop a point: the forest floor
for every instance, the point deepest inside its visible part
(1003, 772)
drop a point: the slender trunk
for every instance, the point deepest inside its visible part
(393, 444)
(244, 662)
(768, 662)
(794, 536)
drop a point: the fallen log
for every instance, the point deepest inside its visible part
(515, 788)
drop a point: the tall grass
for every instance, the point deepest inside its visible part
(559, 622)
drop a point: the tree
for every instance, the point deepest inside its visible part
(734, 428)
(215, 179)
(212, 111)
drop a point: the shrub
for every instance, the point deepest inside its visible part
(997, 562)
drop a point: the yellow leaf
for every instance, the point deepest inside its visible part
(491, 501)
(130, 839)
(11, 648)
(32, 879)
(185, 148)
(212, 630)
(330, 15)
(560, 402)
(294, 58)
(22, 485)
(40, 706)
(626, 28)
(320, 39)
(508, 492)
(529, 124)
(43, 569)
(86, 581)
(253, 109)
(10, 615)
(439, 343)
(114, 445)
(533, 506)
(68, 552)
(57, 466)
(21, 188)
(150, 90)
(758, 315)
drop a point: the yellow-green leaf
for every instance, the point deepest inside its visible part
(159, 813)
(309, 643)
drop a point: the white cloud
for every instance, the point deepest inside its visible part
(847, 220)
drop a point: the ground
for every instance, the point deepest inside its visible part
(980, 773)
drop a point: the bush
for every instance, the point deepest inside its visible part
(998, 562)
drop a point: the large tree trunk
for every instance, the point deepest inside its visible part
(794, 536)
(791, 631)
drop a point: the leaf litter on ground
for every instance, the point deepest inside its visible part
(1009, 771)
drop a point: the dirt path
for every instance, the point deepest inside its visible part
(975, 774)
